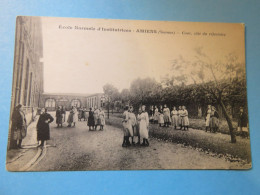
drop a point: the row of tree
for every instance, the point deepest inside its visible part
(198, 83)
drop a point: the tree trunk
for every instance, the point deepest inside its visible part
(229, 121)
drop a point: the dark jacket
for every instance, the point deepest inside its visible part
(242, 120)
(43, 129)
(18, 120)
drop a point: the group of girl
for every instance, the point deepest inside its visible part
(164, 117)
(96, 118)
(212, 119)
(135, 126)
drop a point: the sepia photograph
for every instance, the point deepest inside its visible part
(106, 94)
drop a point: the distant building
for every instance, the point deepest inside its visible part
(28, 69)
(52, 100)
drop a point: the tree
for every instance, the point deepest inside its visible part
(144, 91)
(218, 78)
(111, 91)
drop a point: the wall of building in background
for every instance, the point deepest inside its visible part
(28, 69)
(52, 100)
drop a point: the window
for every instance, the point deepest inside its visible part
(75, 103)
(50, 103)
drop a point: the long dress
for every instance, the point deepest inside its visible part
(133, 122)
(161, 118)
(19, 125)
(180, 117)
(242, 122)
(43, 128)
(208, 117)
(102, 118)
(214, 122)
(156, 115)
(166, 115)
(127, 127)
(70, 117)
(96, 118)
(58, 117)
(185, 118)
(75, 115)
(91, 121)
(144, 122)
(175, 118)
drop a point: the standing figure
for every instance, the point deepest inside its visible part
(166, 116)
(43, 128)
(132, 120)
(72, 117)
(151, 114)
(144, 123)
(85, 112)
(179, 117)
(156, 115)
(75, 116)
(138, 125)
(185, 118)
(80, 114)
(175, 117)
(243, 123)
(161, 119)
(207, 117)
(63, 112)
(96, 117)
(91, 121)
(127, 128)
(102, 118)
(214, 122)
(19, 125)
(59, 117)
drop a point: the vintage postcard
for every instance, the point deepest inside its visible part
(103, 94)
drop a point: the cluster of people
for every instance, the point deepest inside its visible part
(165, 117)
(212, 119)
(96, 118)
(135, 126)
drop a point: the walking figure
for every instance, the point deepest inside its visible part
(43, 128)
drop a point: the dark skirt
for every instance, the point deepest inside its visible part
(43, 134)
(59, 120)
(91, 121)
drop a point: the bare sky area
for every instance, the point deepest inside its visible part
(83, 61)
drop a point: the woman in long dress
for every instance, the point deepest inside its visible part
(59, 117)
(156, 115)
(127, 128)
(91, 122)
(102, 118)
(133, 122)
(63, 112)
(96, 117)
(43, 128)
(166, 116)
(144, 123)
(207, 118)
(19, 126)
(180, 117)
(185, 118)
(73, 117)
(161, 119)
(214, 122)
(175, 118)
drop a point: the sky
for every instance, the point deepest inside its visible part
(83, 61)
